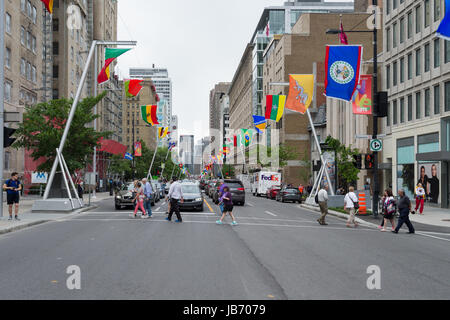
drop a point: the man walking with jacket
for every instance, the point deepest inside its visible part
(404, 207)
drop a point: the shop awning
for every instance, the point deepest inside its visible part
(433, 156)
(113, 147)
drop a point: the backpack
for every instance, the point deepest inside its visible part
(316, 198)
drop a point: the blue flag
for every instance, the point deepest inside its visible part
(260, 123)
(342, 65)
(128, 156)
(444, 28)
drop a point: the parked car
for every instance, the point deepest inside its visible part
(156, 191)
(192, 196)
(289, 194)
(237, 191)
(272, 192)
(203, 184)
(211, 185)
(124, 196)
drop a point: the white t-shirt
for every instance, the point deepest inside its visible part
(348, 200)
(323, 195)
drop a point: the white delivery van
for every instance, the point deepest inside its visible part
(261, 181)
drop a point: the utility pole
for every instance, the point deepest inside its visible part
(132, 147)
(2, 91)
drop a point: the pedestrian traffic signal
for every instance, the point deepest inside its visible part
(7, 140)
(357, 161)
(369, 161)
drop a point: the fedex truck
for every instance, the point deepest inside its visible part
(261, 181)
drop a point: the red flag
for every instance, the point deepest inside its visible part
(268, 28)
(342, 35)
(235, 141)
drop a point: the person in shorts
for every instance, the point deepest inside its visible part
(227, 206)
(12, 188)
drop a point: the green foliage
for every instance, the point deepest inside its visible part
(228, 171)
(347, 172)
(43, 126)
(285, 153)
(305, 171)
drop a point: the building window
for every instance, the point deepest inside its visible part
(55, 71)
(402, 110)
(388, 118)
(418, 19)
(8, 58)
(447, 96)
(394, 4)
(402, 30)
(23, 66)
(427, 102)
(437, 53)
(388, 77)
(8, 91)
(437, 10)
(418, 64)
(402, 70)
(427, 13)
(394, 35)
(394, 113)
(394, 73)
(33, 74)
(8, 23)
(55, 94)
(33, 43)
(55, 48)
(410, 24)
(409, 66)
(22, 36)
(427, 58)
(55, 23)
(388, 39)
(388, 7)
(447, 51)
(405, 165)
(418, 105)
(410, 108)
(437, 99)
(22, 5)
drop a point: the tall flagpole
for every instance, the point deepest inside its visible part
(162, 171)
(154, 155)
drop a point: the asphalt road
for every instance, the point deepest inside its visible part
(278, 251)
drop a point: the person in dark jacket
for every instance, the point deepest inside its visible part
(404, 207)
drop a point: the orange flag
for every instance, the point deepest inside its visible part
(301, 92)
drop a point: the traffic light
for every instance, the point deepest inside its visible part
(7, 140)
(357, 161)
(369, 161)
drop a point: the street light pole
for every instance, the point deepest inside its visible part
(2, 91)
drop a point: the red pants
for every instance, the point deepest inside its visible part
(420, 202)
(139, 204)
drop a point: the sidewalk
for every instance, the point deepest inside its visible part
(29, 219)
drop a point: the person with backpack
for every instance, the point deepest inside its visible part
(13, 187)
(351, 204)
(322, 199)
(228, 206)
(389, 209)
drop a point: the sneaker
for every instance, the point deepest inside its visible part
(383, 230)
(411, 232)
(144, 216)
(16, 218)
(179, 221)
(394, 231)
(167, 219)
(234, 223)
(219, 222)
(380, 227)
(131, 215)
(10, 219)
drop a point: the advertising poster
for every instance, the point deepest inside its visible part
(428, 176)
(362, 99)
(331, 168)
(137, 149)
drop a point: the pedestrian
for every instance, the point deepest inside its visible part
(389, 209)
(148, 192)
(221, 192)
(309, 188)
(351, 204)
(228, 206)
(301, 189)
(80, 189)
(404, 207)
(139, 199)
(13, 188)
(322, 196)
(176, 196)
(420, 198)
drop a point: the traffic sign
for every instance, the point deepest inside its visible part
(376, 145)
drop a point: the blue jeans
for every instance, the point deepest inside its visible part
(148, 206)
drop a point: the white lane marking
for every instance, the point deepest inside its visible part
(272, 214)
(439, 233)
(430, 236)
(250, 204)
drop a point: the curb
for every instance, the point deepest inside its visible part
(38, 222)
(340, 215)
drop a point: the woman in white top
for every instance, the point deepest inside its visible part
(420, 197)
(350, 201)
(389, 209)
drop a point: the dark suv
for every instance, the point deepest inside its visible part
(289, 194)
(237, 191)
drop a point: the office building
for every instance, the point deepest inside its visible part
(186, 151)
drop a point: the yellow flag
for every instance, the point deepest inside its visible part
(301, 92)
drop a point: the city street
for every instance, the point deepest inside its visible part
(278, 251)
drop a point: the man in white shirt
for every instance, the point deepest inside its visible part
(323, 204)
(349, 204)
(175, 195)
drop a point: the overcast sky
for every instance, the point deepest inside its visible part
(200, 42)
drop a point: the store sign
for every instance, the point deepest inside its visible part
(39, 177)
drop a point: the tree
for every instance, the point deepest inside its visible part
(305, 170)
(228, 170)
(43, 126)
(347, 171)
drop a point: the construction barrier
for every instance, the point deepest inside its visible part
(362, 203)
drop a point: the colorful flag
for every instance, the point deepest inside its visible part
(260, 123)
(443, 30)
(275, 107)
(342, 35)
(301, 91)
(342, 65)
(226, 149)
(138, 149)
(111, 54)
(172, 145)
(268, 28)
(48, 5)
(128, 156)
(362, 99)
(235, 141)
(149, 114)
(132, 87)
(162, 132)
(246, 136)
